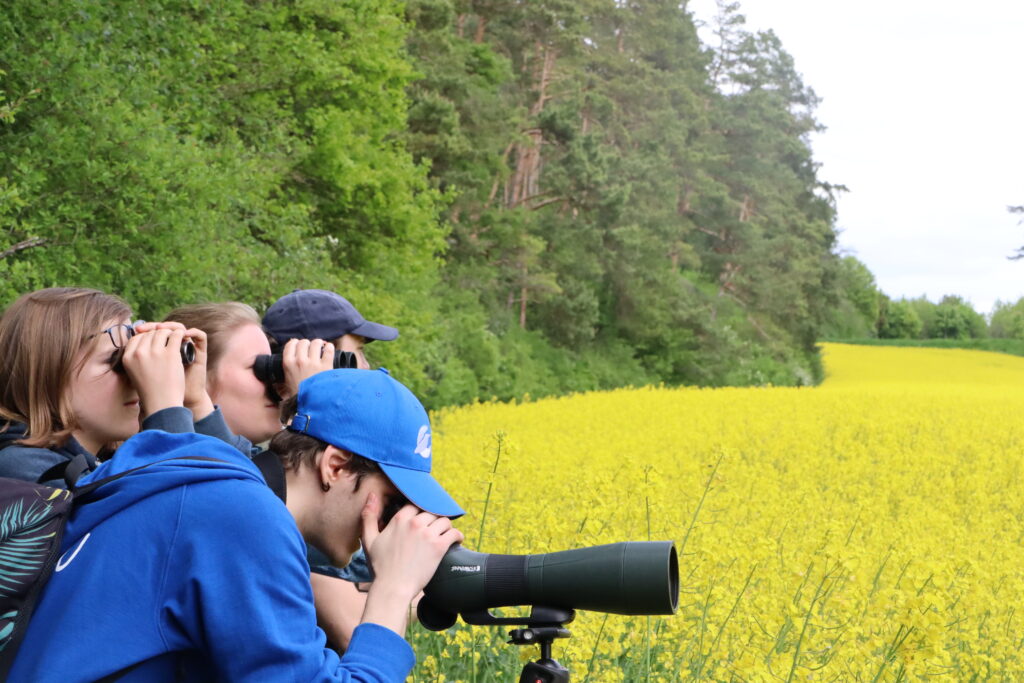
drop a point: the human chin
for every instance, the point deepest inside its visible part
(129, 425)
(268, 429)
(273, 421)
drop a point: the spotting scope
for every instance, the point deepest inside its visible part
(620, 578)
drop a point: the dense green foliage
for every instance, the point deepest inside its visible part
(543, 196)
(622, 189)
(898, 320)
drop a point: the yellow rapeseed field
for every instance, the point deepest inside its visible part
(869, 529)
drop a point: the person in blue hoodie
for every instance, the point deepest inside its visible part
(194, 570)
(76, 378)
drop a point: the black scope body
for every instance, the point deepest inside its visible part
(638, 577)
(269, 369)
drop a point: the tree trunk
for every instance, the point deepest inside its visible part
(522, 306)
(525, 179)
(746, 209)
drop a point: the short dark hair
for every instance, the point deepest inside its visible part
(295, 449)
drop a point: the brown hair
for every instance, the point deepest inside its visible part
(42, 336)
(295, 449)
(217, 321)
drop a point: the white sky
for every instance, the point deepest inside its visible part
(924, 105)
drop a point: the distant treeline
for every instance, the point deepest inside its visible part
(543, 195)
(1013, 347)
(866, 312)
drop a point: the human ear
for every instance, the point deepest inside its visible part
(333, 466)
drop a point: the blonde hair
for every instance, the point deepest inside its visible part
(42, 337)
(217, 321)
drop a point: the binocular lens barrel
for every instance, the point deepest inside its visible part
(188, 356)
(269, 369)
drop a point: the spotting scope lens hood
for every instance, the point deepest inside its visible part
(632, 578)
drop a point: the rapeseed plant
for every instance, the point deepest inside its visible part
(869, 529)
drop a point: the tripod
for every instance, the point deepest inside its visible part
(542, 627)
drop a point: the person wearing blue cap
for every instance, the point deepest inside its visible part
(321, 314)
(191, 568)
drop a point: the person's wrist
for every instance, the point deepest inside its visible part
(387, 604)
(394, 591)
(154, 404)
(200, 407)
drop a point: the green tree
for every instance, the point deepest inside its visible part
(857, 312)
(956, 319)
(898, 320)
(1007, 320)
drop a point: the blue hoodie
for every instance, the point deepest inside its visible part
(191, 563)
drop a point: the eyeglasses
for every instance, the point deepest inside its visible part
(118, 334)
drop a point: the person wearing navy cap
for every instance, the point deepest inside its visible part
(320, 314)
(308, 315)
(189, 567)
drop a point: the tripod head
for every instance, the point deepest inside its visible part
(541, 627)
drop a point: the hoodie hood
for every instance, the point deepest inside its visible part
(167, 462)
(28, 463)
(11, 433)
(15, 431)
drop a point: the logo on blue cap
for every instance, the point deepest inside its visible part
(423, 441)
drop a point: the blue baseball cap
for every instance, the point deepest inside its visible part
(319, 314)
(369, 413)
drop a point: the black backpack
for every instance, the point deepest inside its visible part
(32, 519)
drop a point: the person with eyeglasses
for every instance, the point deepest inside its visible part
(77, 378)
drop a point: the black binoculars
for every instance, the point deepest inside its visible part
(269, 369)
(188, 349)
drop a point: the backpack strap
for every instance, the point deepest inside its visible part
(273, 472)
(86, 489)
(69, 471)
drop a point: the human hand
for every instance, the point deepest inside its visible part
(303, 358)
(152, 360)
(406, 553)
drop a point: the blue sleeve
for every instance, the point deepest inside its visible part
(237, 588)
(216, 426)
(176, 420)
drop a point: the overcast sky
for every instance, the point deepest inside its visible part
(924, 106)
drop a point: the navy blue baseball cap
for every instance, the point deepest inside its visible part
(319, 314)
(369, 413)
